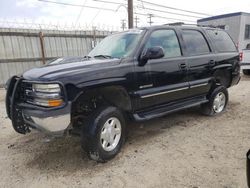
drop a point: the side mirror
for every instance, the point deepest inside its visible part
(151, 53)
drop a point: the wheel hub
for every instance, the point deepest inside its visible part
(219, 102)
(110, 134)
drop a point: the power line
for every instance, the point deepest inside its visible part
(96, 15)
(77, 5)
(108, 9)
(167, 18)
(80, 13)
(152, 9)
(163, 11)
(110, 2)
(173, 8)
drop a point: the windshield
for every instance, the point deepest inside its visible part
(118, 45)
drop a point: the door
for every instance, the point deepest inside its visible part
(200, 61)
(162, 80)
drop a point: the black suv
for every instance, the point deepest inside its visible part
(138, 75)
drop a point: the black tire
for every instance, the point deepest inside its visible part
(208, 108)
(246, 72)
(91, 134)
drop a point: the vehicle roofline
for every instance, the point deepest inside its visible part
(169, 26)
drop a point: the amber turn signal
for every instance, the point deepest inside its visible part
(55, 102)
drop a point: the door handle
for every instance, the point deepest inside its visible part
(211, 63)
(183, 66)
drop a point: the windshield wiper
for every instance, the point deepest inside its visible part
(87, 57)
(103, 56)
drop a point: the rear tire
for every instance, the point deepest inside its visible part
(105, 134)
(217, 102)
(246, 72)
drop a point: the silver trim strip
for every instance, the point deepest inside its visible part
(199, 85)
(146, 86)
(164, 92)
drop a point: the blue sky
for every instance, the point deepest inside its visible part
(34, 10)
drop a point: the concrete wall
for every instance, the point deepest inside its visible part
(20, 49)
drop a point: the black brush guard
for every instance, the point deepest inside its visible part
(12, 110)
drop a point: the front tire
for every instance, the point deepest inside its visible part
(218, 100)
(246, 72)
(105, 134)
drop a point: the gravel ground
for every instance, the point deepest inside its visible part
(184, 149)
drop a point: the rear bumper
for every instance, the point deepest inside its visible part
(245, 66)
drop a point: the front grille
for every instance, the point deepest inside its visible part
(26, 92)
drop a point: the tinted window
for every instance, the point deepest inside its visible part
(167, 39)
(195, 42)
(222, 41)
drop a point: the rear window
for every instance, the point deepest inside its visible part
(222, 41)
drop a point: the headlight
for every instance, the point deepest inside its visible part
(47, 95)
(50, 88)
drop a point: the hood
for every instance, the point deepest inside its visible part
(57, 71)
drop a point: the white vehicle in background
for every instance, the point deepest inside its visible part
(245, 60)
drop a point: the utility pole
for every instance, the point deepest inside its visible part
(136, 21)
(130, 14)
(123, 22)
(150, 19)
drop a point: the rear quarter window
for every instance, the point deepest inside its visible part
(222, 41)
(196, 43)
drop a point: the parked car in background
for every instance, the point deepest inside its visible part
(245, 60)
(138, 74)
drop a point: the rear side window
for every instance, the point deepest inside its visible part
(195, 42)
(222, 41)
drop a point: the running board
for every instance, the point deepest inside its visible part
(167, 109)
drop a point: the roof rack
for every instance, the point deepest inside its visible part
(180, 24)
(175, 23)
(197, 25)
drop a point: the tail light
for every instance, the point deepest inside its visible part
(241, 56)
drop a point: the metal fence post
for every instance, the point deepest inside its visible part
(42, 46)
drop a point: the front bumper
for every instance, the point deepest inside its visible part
(50, 122)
